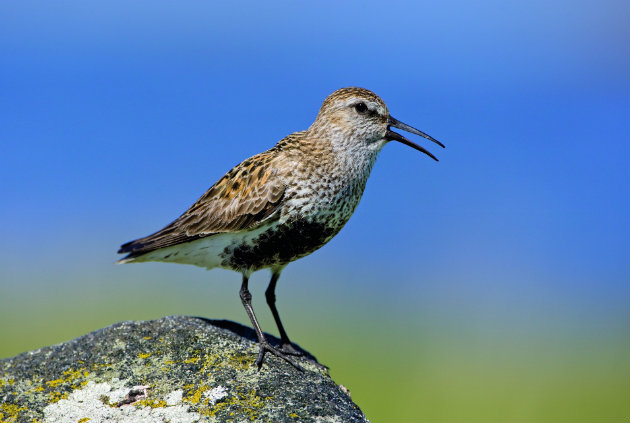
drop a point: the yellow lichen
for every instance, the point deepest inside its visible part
(54, 383)
(147, 337)
(56, 396)
(101, 365)
(192, 360)
(238, 361)
(9, 412)
(4, 381)
(72, 374)
(293, 416)
(144, 355)
(194, 396)
(153, 403)
(83, 420)
(246, 403)
(69, 378)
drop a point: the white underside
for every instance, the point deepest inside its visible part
(204, 252)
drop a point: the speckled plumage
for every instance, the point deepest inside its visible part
(286, 202)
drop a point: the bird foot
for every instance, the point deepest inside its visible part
(289, 349)
(265, 346)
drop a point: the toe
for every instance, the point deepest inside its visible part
(290, 350)
(264, 347)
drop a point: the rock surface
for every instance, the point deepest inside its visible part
(175, 369)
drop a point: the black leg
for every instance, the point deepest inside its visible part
(246, 298)
(270, 294)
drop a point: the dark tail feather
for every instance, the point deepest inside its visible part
(132, 246)
(167, 237)
(133, 249)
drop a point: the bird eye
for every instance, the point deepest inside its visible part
(360, 107)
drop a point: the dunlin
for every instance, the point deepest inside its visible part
(282, 204)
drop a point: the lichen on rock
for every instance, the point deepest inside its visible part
(182, 369)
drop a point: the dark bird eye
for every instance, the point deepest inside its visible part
(360, 107)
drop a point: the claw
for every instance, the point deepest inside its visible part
(289, 349)
(265, 346)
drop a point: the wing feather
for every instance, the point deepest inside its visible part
(246, 196)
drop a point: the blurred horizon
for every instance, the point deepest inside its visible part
(493, 285)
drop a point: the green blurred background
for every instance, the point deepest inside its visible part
(491, 286)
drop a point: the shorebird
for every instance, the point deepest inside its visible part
(282, 204)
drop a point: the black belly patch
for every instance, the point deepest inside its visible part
(278, 246)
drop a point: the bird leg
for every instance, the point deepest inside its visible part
(286, 346)
(264, 345)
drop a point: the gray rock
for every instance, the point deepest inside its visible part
(175, 369)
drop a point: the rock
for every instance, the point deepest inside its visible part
(175, 369)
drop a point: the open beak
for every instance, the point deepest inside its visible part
(395, 136)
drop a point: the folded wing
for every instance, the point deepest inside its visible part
(248, 195)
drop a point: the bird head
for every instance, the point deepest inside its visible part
(361, 119)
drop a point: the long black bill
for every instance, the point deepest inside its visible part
(394, 136)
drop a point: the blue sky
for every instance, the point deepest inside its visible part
(117, 116)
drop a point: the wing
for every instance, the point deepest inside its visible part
(249, 194)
